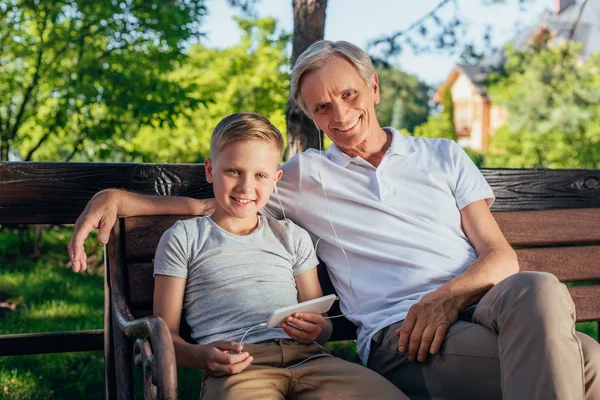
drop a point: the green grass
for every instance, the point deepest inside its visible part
(49, 297)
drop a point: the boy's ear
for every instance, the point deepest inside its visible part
(208, 170)
(278, 175)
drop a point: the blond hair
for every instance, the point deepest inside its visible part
(244, 126)
(319, 54)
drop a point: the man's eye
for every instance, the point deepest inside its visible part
(349, 94)
(321, 107)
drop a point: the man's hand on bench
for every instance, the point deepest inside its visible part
(100, 213)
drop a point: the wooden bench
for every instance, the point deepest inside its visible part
(550, 216)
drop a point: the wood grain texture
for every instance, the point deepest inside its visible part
(542, 189)
(141, 285)
(143, 235)
(569, 264)
(550, 227)
(56, 193)
(586, 302)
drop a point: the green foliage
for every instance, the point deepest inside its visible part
(440, 125)
(553, 101)
(404, 99)
(475, 156)
(448, 111)
(251, 76)
(49, 297)
(76, 74)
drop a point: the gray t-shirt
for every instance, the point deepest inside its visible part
(234, 282)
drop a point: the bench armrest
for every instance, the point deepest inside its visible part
(153, 350)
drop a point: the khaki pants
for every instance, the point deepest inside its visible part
(520, 343)
(275, 375)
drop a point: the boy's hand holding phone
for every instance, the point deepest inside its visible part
(223, 358)
(308, 326)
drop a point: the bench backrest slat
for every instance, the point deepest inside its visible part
(56, 193)
(550, 227)
(582, 262)
(141, 285)
(586, 302)
(143, 235)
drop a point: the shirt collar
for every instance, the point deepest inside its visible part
(401, 145)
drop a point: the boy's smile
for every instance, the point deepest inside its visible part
(243, 175)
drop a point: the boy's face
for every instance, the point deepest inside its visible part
(243, 175)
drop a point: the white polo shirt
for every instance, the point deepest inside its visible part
(399, 224)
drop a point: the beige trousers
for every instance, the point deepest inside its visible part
(520, 343)
(277, 372)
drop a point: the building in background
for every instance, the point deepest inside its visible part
(475, 116)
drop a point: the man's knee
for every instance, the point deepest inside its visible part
(591, 351)
(591, 357)
(537, 294)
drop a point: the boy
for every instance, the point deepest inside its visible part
(231, 269)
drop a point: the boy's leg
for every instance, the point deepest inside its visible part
(254, 383)
(261, 380)
(333, 378)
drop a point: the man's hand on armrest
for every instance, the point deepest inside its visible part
(103, 209)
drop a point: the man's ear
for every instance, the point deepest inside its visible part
(208, 170)
(376, 91)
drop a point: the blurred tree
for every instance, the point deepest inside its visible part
(76, 73)
(251, 76)
(309, 27)
(440, 125)
(553, 101)
(444, 28)
(404, 99)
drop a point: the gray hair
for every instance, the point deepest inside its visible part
(319, 54)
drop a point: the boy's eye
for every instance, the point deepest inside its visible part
(232, 171)
(261, 175)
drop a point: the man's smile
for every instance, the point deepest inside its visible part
(348, 127)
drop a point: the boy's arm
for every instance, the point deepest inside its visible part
(214, 357)
(314, 326)
(103, 209)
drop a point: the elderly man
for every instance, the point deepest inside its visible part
(419, 263)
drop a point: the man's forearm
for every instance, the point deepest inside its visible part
(487, 270)
(133, 204)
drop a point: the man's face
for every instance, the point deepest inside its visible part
(243, 175)
(341, 103)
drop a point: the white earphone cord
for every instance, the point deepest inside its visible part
(337, 239)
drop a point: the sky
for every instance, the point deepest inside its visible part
(359, 21)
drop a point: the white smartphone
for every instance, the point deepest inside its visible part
(318, 305)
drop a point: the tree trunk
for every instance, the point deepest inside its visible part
(309, 27)
(4, 149)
